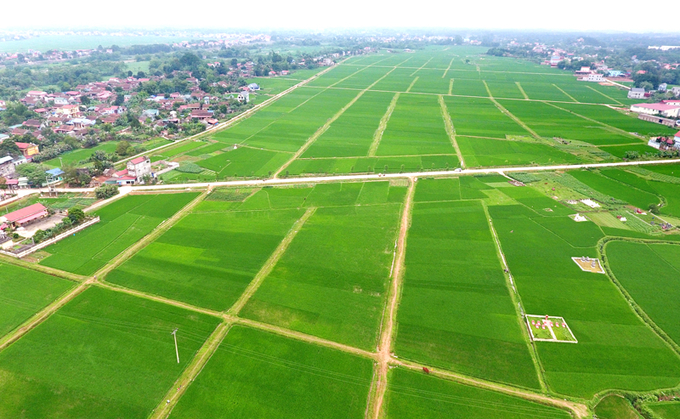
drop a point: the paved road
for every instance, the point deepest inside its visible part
(360, 177)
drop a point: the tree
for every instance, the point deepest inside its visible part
(124, 148)
(106, 191)
(84, 100)
(9, 148)
(34, 172)
(76, 215)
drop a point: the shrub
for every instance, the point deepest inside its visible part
(106, 191)
(189, 168)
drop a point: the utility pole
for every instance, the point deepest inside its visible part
(174, 334)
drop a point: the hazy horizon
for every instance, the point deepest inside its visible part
(519, 15)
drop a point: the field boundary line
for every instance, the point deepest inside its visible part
(450, 129)
(319, 132)
(579, 410)
(360, 70)
(149, 238)
(567, 94)
(421, 67)
(642, 314)
(43, 269)
(516, 302)
(521, 90)
(608, 97)
(226, 124)
(302, 337)
(43, 314)
(610, 128)
(270, 263)
(198, 362)
(377, 136)
(379, 386)
(412, 84)
(450, 87)
(448, 68)
(157, 298)
(509, 114)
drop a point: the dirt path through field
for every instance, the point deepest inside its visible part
(379, 386)
(577, 409)
(271, 262)
(201, 358)
(43, 315)
(450, 129)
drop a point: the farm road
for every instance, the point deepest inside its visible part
(379, 386)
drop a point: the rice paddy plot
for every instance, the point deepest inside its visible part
(665, 410)
(416, 127)
(649, 272)
(245, 162)
(413, 394)
(335, 75)
(627, 123)
(207, 259)
(481, 118)
(364, 78)
(453, 275)
(607, 186)
(293, 129)
(402, 164)
(583, 93)
(615, 407)
(505, 89)
(541, 204)
(331, 282)
(544, 91)
(353, 133)
(437, 190)
(258, 374)
(24, 292)
(82, 154)
(629, 355)
(123, 223)
(431, 81)
(489, 152)
(621, 151)
(468, 87)
(104, 354)
(549, 121)
(397, 81)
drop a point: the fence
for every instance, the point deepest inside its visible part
(53, 240)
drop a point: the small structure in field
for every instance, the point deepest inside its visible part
(578, 218)
(589, 264)
(549, 329)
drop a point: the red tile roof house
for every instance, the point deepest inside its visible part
(201, 115)
(25, 215)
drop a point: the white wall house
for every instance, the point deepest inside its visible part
(669, 111)
(636, 93)
(139, 167)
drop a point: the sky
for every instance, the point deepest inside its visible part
(319, 14)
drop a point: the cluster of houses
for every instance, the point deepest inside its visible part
(666, 143)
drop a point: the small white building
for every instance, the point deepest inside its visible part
(139, 167)
(676, 91)
(595, 77)
(636, 93)
(243, 97)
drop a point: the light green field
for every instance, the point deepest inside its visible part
(258, 374)
(123, 223)
(413, 394)
(615, 407)
(104, 354)
(24, 292)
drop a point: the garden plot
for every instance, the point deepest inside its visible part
(549, 329)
